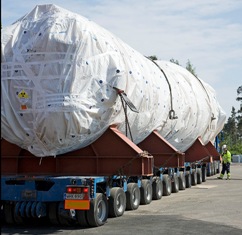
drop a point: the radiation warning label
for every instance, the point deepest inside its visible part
(23, 97)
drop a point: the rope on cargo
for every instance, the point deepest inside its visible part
(212, 118)
(127, 126)
(126, 103)
(172, 114)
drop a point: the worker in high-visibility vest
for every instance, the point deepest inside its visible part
(226, 156)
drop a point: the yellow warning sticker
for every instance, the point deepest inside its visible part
(23, 95)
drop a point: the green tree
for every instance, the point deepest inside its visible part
(153, 57)
(174, 61)
(239, 94)
(191, 68)
(233, 128)
(230, 130)
(239, 113)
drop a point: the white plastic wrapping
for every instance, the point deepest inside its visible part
(58, 74)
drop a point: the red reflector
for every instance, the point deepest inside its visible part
(85, 190)
(69, 190)
(76, 190)
(72, 190)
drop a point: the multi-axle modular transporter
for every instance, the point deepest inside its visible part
(102, 180)
(91, 128)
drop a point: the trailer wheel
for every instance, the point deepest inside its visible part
(209, 169)
(215, 168)
(82, 218)
(132, 196)
(212, 168)
(2, 214)
(52, 214)
(218, 169)
(166, 185)
(182, 181)
(63, 215)
(116, 202)
(199, 176)
(188, 179)
(194, 177)
(145, 192)
(8, 213)
(204, 173)
(157, 189)
(98, 213)
(16, 214)
(175, 184)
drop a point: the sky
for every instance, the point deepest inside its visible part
(206, 32)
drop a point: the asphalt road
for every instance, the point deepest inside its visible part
(213, 207)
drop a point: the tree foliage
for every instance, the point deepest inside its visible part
(153, 57)
(191, 68)
(239, 94)
(233, 128)
(174, 61)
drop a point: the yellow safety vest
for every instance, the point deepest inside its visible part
(226, 157)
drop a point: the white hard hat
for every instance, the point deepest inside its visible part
(224, 146)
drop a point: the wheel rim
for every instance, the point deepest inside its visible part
(169, 187)
(120, 203)
(177, 184)
(135, 197)
(159, 190)
(148, 193)
(101, 211)
(183, 182)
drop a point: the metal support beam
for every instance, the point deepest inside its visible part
(165, 155)
(112, 154)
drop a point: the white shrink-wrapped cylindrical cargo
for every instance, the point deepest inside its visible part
(59, 74)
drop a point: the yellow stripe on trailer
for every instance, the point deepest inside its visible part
(77, 204)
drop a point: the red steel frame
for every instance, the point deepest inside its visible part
(165, 155)
(112, 154)
(200, 152)
(213, 151)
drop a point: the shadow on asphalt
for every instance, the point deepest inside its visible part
(132, 224)
(232, 179)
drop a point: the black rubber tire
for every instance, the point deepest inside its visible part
(182, 181)
(2, 220)
(215, 168)
(145, 192)
(18, 219)
(116, 202)
(81, 216)
(199, 175)
(157, 189)
(212, 168)
(175, 184)
(63, 220)
(98, 213)
(204, 173)
(218, 169)
(52, 214)
(166, 185)
(194, 177)
(132, 196)
(209, 171)
(188, 179)
(8, 213)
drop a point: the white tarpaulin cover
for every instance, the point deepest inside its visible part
(58, 74)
